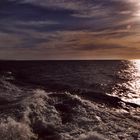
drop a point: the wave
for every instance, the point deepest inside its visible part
(13, 130)
(32, 114)
(92, 136)
(64, 116)
(9, 91)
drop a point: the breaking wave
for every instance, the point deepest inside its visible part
(64, 116)
(13, 130)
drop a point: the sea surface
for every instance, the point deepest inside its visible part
(70, 100)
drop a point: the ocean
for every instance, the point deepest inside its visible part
(70, 100)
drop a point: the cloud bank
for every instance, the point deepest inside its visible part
(76, 29)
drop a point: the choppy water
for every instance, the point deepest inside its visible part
(70, 100)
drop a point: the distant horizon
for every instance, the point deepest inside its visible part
(69, 59)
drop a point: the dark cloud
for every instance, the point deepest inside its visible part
(94, 47)
(82, 15)
(14, 10)
(62, 24)
(104, 13)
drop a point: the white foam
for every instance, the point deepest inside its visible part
(92, 136)
(88, 120)
(13, 130)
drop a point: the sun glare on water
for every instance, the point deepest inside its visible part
(135, 83)
(137, 64)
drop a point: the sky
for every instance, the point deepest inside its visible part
(69, 29)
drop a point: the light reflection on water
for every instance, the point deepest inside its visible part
(136, 82)
(133, 84)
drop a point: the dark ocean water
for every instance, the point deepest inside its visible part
(69, 100)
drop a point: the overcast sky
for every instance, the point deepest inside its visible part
(69, 29)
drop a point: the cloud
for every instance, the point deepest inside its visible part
(67, 15)
(60, 27)
(95, 47)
